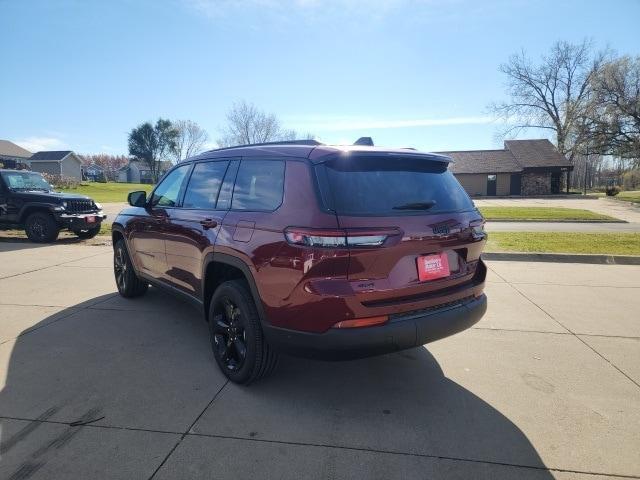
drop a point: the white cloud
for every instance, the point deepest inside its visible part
(334, 124)
(36, 144)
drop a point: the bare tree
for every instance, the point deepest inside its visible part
(247, 124)
(554, 95)
(190, 141)
(615, 126)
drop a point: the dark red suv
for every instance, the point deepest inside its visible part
(310, 249)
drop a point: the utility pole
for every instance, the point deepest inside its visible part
(586, 170)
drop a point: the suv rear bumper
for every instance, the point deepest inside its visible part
(401, 332)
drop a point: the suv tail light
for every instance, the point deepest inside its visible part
(310, 237)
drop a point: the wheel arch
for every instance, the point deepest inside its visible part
(30, 208)
(117, 233)
(220, 267)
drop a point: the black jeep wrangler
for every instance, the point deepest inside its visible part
(26, 199)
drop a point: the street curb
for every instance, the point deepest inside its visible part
(562, 258)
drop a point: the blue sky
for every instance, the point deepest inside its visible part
(79, 74)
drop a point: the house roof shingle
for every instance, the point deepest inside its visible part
(517, 156)
(536, 153)
(49, 155)
(10, 149)
(483, 161)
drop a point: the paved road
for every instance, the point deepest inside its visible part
(112, 209)
(547, 385)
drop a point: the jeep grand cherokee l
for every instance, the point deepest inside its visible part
(310, 249)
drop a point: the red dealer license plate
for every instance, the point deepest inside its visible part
(90, 219)
(432, 267)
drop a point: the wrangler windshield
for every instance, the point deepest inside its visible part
(25, 181)
(393, 186)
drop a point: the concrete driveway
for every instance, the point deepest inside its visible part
(626, 211)
(95, 386)
(112, 210)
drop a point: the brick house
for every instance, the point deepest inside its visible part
(522, 167)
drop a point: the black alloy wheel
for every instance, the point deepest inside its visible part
(229, 335)
(128, 283)
(235, 330)
(41, 227)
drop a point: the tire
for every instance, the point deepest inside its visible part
(128, 283)
(41, 227)
(87, 234)
(234, 327)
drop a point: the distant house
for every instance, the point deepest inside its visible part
(61, 162)
(93, 173)
(137, 171)
(522, 167)
(10, 149)
(13, 156)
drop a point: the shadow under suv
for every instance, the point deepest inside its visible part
(309, 249)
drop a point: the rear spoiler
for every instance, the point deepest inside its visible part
(402, 153)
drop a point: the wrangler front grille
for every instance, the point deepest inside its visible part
(80, 206)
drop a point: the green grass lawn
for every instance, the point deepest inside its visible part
(108, 192)
(561, 242)
(626, 196)
(629, 196)
(542, 214)
(105, 229)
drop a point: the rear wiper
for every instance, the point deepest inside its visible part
(416, 205)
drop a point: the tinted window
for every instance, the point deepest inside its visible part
(204, 185)
(258, 185)
(389, 186)
(226, 191)
(167, 193)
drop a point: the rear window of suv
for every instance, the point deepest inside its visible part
(259, 185)
(390, 186)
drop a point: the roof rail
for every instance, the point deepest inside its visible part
(311, 143)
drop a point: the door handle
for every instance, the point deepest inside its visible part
(208, 223)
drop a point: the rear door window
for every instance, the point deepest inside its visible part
(388, 186)
(204, 185)
(259, 185)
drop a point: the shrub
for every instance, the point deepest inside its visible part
(612, 191)
(60, 181)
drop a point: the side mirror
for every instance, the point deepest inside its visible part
(137, 199)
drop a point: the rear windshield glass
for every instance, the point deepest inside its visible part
(393, 186)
